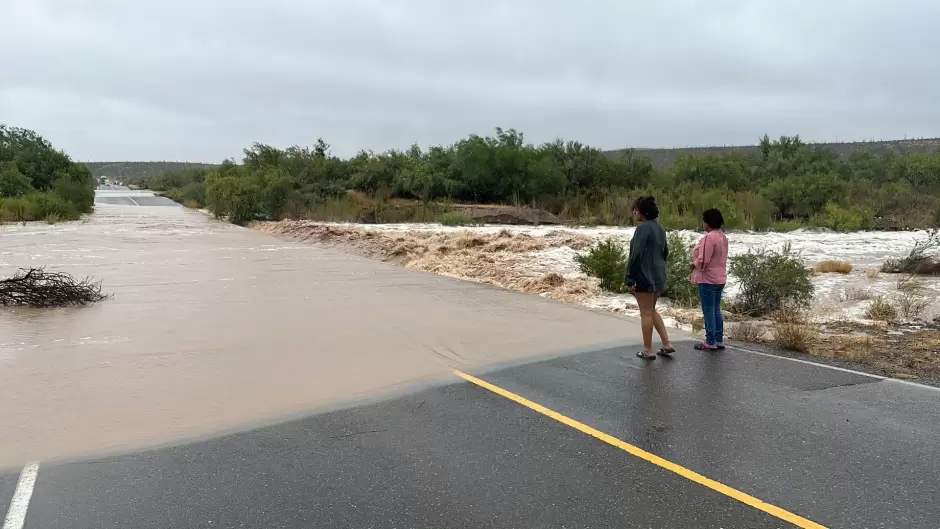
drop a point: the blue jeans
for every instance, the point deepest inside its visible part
(711, 309)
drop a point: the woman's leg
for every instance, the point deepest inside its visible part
(707, 295)
(719, 319)
(660, 326)
(703, 298)
(646, 302)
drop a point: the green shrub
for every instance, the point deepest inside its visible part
(37, 206)
(73, 187)
(842, 219)
(679, 286)
(767, 279)
(608, 262)
(191, 195)
(13, 209)
(244, 195)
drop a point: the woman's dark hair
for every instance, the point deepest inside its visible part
(713, 218)
(647, 207)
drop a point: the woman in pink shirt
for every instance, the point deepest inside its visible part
(710, 272)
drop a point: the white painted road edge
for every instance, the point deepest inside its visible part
(16, 514)
(835, 368)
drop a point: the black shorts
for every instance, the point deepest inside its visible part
(646, 287)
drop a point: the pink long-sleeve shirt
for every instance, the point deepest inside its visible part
(710, 259)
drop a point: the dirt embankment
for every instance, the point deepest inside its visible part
(509, 215)
(499, 259)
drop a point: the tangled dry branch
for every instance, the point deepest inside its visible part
(34, 287)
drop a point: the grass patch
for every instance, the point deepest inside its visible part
(792, 330)
(881, 309)
(37, 206)
(456, 218)
(833, 267)
(747, 332)
(913, 298)
(784, 226)
(856, 294)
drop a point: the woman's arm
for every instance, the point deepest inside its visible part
(705, 254)
(637, 252)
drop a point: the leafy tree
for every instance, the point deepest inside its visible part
(733, 172)
(31, 168)
(13, 183)
(922, 171)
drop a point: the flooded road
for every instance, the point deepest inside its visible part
(214, 327)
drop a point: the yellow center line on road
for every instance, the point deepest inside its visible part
(691, 475)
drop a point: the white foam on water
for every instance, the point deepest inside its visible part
(863, 250)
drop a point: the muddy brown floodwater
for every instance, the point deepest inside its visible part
(214, 327)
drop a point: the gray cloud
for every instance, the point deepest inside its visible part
(200, 79)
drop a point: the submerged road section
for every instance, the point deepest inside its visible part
(731, 440)
(121, 196)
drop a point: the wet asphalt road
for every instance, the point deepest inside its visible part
(123, 196)
(841, 449)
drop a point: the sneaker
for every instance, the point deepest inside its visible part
(720, 345)
(704, 347)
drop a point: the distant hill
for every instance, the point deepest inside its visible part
(663, 158)
(138, 170)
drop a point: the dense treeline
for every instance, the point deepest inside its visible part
(38, 182)
(788, 184)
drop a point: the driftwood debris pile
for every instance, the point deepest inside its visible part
(34, 287)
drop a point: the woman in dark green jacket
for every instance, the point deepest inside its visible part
(646, 274)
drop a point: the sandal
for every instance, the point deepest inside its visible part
(666, 352)
(644, 356)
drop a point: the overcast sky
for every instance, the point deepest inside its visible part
(198, 80)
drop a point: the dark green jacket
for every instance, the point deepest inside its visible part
(646, 266)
